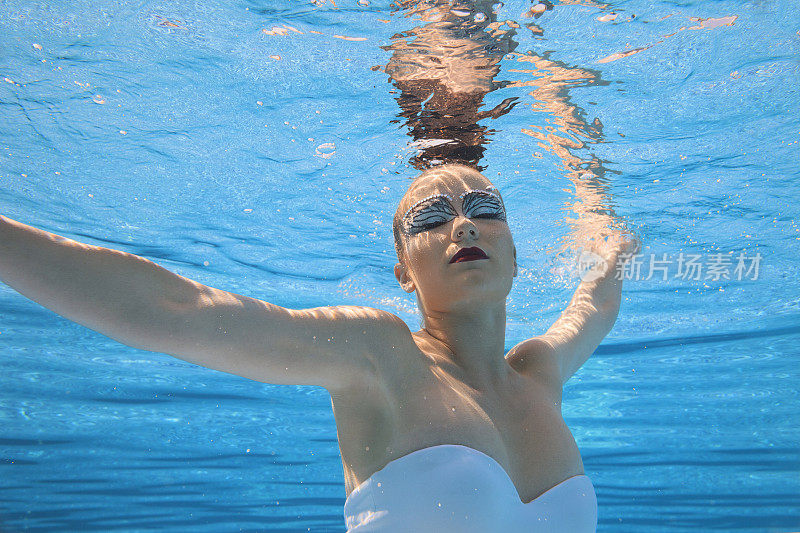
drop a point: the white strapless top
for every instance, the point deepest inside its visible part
(455, 488)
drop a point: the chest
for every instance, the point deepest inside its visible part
(517, 422)
(436, 407)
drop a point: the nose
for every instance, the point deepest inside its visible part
(464, 227)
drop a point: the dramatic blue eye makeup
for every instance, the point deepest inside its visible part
(428, 213)
(437, 209)
(483, 204)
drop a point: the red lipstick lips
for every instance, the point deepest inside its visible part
(469, 254)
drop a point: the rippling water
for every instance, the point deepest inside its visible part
(262, 148)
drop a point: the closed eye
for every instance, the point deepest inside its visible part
(429, 222)
(495, 215)
(479, 204)
(428, 215)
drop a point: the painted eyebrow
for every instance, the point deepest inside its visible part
(426, 199)
(472, 193)
(490, 192)
(476, 195)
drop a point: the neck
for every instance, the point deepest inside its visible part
(474, 341)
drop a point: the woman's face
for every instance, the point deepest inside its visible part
(444, 214)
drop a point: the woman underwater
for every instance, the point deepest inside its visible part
(439, 429)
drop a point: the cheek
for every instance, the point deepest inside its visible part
(426, 248)
(497, 231)
(504, 242)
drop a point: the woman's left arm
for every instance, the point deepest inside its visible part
(588, 318)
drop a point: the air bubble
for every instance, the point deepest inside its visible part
(480, 17)
(325, 150)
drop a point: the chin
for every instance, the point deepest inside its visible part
(474, 296)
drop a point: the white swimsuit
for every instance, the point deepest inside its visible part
(455, 488)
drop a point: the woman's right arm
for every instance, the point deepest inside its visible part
(138, 303)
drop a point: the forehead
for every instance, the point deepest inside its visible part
(450, 181)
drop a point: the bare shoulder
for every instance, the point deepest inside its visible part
(537, 360)
(380, 327)
(380, 334)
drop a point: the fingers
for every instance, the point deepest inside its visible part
(620, 245)
(631, 244)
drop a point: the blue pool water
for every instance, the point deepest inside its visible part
(253, 147)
